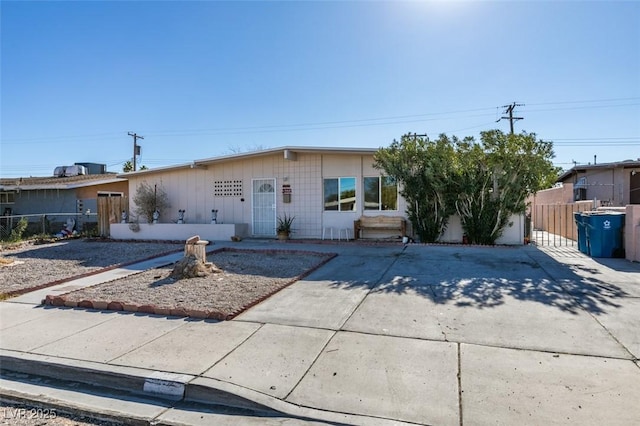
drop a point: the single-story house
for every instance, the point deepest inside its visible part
(58, 197)
(325, 189)
(613, 184)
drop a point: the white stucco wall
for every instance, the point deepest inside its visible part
(512, 235)
(177, 232)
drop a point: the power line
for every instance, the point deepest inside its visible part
(582, 107)
(365, 122)
(587, 101)
(509, 110)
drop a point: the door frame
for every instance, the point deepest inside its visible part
(268, 207)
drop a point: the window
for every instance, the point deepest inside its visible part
(340, 194)
(7, 197)
(380, 193)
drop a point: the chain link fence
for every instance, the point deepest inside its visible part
(48, 223)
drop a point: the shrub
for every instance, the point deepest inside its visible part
(149, 199)
(18, 230)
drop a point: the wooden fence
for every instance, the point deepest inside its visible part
(110, 211)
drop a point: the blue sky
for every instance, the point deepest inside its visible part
(202, 79)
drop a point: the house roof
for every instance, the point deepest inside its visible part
(285, 150)
(49, 182)
(626, 164)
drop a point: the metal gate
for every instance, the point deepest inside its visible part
(554, 225)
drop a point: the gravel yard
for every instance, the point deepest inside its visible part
(28, 266)
(247, 276)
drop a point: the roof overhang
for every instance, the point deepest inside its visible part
(147, 172)
(61, 185)
(628, 164)
(288, 153)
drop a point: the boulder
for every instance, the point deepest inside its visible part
(192, 267)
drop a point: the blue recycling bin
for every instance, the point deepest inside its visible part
(604, 234)
(583, 244)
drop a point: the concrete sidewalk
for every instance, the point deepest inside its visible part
(379, 335)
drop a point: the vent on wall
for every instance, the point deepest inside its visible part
(227, 188)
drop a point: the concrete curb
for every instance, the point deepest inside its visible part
(172, 387)
(43, 401)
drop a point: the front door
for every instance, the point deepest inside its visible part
(264, 207)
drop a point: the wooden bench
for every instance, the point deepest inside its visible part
(379, 223)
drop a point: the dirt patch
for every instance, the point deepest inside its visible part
(247, 277)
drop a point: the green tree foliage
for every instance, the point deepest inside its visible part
(149, 198)
(424, 168)
(128, 167)
(484, 182)
(495, 177)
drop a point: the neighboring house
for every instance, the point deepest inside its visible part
(36, 196)
(606, 186)
(613, 184)
(325, 189)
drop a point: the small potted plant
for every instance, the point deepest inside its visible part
(284, 227)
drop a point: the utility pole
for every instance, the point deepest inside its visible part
(509, 110)
(415, 135)
(136, 147)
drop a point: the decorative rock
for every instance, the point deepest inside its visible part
(178, 312)
(192, 267)
(193, 240)
(57, 301)
(129, 307)
(216, 316)
(147, 309)
(100, 304)
(162, 311)
(115, 306)
(196, 313)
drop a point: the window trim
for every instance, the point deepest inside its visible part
(380, 203)
(339, 205)
(7, 197)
